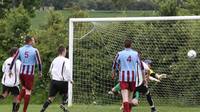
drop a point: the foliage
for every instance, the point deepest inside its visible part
(167, 7)
(192, 6)
(4, 6)
(15, 25)
(29, 5)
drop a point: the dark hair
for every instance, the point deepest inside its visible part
(127, 43)
(13, 50)
(28, 39)
(61, 49)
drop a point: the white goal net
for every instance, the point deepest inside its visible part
(93, 43)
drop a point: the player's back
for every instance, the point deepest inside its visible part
(128, 60)
(60, 68)
(12, 80)
(27, 55)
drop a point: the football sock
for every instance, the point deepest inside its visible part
(64, 99)
(130, 107)
(14, 107)
(26, 102)
(21, 95)
(149, 99)
(46, 104)
(126, 107)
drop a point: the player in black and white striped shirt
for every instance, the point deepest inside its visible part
(11, 81)
(60, 74)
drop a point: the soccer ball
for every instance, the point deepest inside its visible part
(192, 54)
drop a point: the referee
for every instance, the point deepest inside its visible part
(60, 74)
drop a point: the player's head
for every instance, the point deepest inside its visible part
(62, 50)
(29, 40)
(127, 43)
(148, 62)
(13, 51)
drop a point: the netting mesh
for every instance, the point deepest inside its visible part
(164, 42)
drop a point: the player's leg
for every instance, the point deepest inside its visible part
(132, 88)
(145, 90)
(64, 102)
(52, 93)
(150, 101)
(4, 93)
(63, 89)
(28, 85)
(135, 100)
(115, 90)
(125, 96)
(15, 93)
(130, 96)
(47, 103)
(22, 92)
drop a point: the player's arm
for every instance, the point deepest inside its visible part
(14, 59)
(39, 62)
(115, 64)
(160, 76)
(157, 75)
(153, 79)
(18, 66)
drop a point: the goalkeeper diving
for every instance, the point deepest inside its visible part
(150, 75)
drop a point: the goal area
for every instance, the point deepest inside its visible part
(94, 42)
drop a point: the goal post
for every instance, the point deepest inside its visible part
(150, 26)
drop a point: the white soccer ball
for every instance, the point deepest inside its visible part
(192, 54)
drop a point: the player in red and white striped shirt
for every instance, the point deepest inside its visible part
(128, 60)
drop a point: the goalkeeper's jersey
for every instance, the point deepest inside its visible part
(152, 73)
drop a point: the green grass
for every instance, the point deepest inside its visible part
(107, 108)
(41, 16)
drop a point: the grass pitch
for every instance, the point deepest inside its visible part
(99, 108)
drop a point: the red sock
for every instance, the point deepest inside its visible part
(126, 107)
(21, 95)
(26, 102)
(130, 107)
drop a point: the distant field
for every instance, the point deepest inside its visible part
(41, 16)
(111, 108)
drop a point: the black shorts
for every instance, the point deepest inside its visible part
(142, 89)
(58, 86)
(13, 90)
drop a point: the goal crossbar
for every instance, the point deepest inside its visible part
(115, 19)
